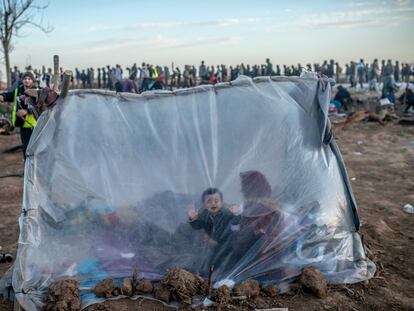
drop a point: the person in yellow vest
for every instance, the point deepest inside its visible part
(23, 116)
(153, 72)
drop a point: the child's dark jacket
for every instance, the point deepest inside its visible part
(217, 227)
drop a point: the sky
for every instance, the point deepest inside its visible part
(101, 32)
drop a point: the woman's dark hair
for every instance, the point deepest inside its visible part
(255, 185)
(210, 191)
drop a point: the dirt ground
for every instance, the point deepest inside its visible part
(380, 163)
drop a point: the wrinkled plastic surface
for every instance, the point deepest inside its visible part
(110, 178)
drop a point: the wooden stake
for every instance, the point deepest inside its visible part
(55, 78)
(67, 76)
(210, 273)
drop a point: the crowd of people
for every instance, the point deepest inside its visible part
(149, 77)
(137, 79)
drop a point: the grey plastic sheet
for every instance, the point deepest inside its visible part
(112, 182)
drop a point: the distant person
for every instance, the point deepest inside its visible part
(118, 73)
(127, 85)
(397, 71)
(324, 67)
(23, 116)
(99, 78)
(104, 77)
(338, 72)
(77, 77)
(352, 72)
(361, 73)
(383, 70)
(278, 73)
(330, 69)
(269, 68)
(84, 78)
(373, 73)
(344, 97)
(407, 98)
(15, 75)
(110, 77)
(405, 72)
(187, 76)
(224, 73)
(202, 72)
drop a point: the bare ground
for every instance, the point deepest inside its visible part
(380, 163)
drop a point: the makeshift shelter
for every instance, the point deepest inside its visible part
(109, 178)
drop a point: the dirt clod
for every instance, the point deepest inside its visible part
(127, 288)
(314, 281)
(63, 296)
(161, 292)
(184, 284)
(249, 288)
(105, 288)
(222, 295)
(270, 290)
(144, 286)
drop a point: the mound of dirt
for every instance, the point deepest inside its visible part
(270, 290)
(222, 295)
(144, 286)
(184, 284)
(105, 288)
(248, 288)
(162, 292)
(313, 280)
(63, 295)
(127, 287)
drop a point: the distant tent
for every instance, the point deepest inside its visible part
(109, 177)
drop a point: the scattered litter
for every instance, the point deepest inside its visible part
(353, 178)
(127, 255)
(408, 208)
(273, 309)
(357, 153)
(385, 101)
(229, 283)
(207, 302)
(360, 142)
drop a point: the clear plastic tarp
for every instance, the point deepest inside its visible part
(243, 178)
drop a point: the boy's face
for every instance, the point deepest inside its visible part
(213, 203)
(27, 82)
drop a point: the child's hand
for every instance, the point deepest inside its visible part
(21, 113)
(192, 212)
(235, 209)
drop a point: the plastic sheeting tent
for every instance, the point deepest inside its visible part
(110, 177)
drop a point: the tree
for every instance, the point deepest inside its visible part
(15, 14)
